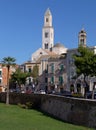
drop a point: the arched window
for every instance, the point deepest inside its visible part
(47, 20)
(46, 45)
(46, 34)
(78, 88)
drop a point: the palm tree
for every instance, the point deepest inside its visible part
(8, 62)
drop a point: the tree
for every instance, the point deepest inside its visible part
(35, 71)
(85, 62)
(8, 62)
(93, 65)
(19, 77)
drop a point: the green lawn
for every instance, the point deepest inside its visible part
(15, 118)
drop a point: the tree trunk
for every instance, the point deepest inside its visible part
(93, 90)
(7, 95)
(86, 86)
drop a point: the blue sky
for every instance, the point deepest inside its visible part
(21, 23)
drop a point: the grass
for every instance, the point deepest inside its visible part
(15, 118)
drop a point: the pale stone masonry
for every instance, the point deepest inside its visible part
(57, 77)
(50, 61)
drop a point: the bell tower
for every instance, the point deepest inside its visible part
(47, 31)
(82, 38)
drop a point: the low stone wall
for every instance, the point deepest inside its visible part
(22, 98)
(76, 111)
(73, 110)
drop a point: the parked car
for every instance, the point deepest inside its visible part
(88, 94)
(66, 93)
(40, 92)
(63, 93)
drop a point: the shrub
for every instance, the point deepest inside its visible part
(78, 95)
(27, 105)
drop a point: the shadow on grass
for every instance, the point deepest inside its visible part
(43, 113)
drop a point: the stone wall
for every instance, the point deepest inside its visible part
(72, 110)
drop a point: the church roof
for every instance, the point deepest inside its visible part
(59, 45)
(48, 12)
(50, 52)
(46, 57)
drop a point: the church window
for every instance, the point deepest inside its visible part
(46, 46)
(46, 34)
(46, 19)
(82, 41)
(82, 35)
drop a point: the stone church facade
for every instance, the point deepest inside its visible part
(56, 65)
(48, 40)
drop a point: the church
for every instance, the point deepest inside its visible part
(55, 62)
(48, 46)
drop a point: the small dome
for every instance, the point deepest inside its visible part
(59, 45)
(59, 48)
